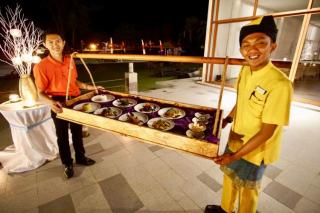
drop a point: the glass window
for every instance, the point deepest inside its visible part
(231, 75)
(228, 40)
(307, 78)
(235, 8)
(287, 38)
(280, 6)
(316, 3)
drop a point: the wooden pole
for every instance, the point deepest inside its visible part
(217, 116)
(300, 44)
(69, 75)
(170, 58)
(215, 34)
(275, 15)
(85, 65)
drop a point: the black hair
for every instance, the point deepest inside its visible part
(53, 31)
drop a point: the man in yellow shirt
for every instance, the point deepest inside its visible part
(263, 106)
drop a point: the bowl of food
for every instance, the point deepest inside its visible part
(87, 107)
(109, 112)
(134, 118)
(146, 107)
(202, 116)
(103, 98)
(124, 102)
(197, 135)
(200, 121)
(171, 113)
(196, 127)
(162, 124)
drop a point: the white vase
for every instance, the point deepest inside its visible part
(27, 88)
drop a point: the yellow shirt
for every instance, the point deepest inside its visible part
(263, 96)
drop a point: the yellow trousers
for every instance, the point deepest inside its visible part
(247, 198)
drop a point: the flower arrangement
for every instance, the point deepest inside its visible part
(20, 40)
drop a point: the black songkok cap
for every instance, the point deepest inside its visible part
(264, 24)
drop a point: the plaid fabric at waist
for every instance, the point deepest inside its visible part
(244, 173)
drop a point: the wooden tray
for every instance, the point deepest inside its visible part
(146, 134)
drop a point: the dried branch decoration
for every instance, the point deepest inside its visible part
(20, 40)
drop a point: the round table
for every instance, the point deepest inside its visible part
(33, 135)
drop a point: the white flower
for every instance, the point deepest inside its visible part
(36, 59)
(27, 57)
(16, 60)
(16, 33)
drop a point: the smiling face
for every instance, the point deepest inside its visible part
(256, 49)
(55, 44)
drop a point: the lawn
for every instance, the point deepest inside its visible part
(148, 73)
(105, 72)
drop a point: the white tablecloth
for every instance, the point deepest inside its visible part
(33, 135)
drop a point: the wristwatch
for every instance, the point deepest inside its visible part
(229, 119)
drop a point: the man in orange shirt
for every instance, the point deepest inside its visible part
(51, 78)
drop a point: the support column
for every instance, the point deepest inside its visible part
(131, 80)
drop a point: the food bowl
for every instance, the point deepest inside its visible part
(196, 127)
(202, 116)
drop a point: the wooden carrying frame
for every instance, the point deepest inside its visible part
(199, 147)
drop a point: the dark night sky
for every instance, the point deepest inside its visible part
(91, 19)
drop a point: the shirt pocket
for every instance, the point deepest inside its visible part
(256, 103)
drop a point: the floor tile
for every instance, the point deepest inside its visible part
(306, 206)
(156, 199)
(52, 189)
(265, 182)
(296, 178)
(189, 206)
(201, 163)
(201, 195)
(313, 193)
(93, 149)
(176, 193)
(268, 204)
(62, 205)
(140, 179)
(90, 199)
(216, 174)
(272, 171)
(120, 195)
(50, 173)
(155, 148)
(17, 184)
(169, 179)
(282, 194)
(143, 156)
(210, 182)
(156, 166)
(316, 180)
(3, 176)
(19, 202)
(103, 170)
(177, 163)
(125, 162)
(100, 157)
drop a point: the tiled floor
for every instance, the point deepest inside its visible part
(131, 176)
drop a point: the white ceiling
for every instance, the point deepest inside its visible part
(287, 5)
(284, 5)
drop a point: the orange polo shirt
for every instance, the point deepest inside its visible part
(51, 77)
